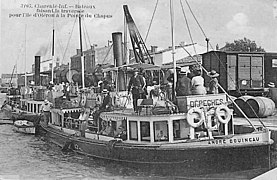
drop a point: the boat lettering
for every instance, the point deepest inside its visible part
(209, 102)
(234, 141)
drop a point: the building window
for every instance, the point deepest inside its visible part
(145, 131)
(133, 130)
(160, 131)
(274, 62)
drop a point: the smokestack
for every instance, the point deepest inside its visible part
(118, 56)
(154, 49)
(37, 71)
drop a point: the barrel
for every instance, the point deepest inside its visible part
(262, 106)
(241, 102)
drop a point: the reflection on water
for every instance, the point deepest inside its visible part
(29, 157)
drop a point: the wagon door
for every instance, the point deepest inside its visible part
(244, 77)
(256, 71)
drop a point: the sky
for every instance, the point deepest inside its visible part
(222, 21)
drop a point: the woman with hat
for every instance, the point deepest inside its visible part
(213, 85)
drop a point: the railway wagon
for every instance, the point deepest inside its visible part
(242, 72)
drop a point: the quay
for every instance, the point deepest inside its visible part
(270, 175)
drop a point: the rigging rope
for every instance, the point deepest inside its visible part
(107, 54)
(188, 28)
(85, 31)
(151, 21)
(69, 39)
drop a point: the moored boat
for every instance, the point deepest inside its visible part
(24, 126)
(195, 134)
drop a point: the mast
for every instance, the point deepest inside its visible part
(53, 56)
(25, 80)
(125, 51)
(173, 47)
(82, 58)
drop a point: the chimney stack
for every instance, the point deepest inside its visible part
(37, 71)
(154, 49)
(118, 56)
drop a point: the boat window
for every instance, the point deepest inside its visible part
(133, 130)
(274, 62)
(176, 129)
(39, 107)
(145, 131)
(161, 131)
(35, 108)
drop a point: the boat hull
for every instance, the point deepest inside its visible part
(24, 126)
(166, 160)
(16, 114)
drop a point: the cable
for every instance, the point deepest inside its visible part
(188, 28)
(151, 21)
(69, 39)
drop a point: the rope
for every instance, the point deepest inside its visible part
(188, 27)
(151, 21)
(107, 54)
(69, 39)
(84, 24)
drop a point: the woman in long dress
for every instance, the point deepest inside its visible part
(197, 84)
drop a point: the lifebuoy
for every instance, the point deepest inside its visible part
(227, 115)
(191, 117)
(212, 123)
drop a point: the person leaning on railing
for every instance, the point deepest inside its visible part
(45, 109)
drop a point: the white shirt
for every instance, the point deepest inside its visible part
(197, 81)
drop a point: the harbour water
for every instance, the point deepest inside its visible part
(29, 157)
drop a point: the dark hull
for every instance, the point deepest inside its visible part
(169, 161)
(15, 115)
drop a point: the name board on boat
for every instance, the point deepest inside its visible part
(209, 100)
(237, 140)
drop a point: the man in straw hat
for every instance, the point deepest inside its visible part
(136, 86)
(45, 109)
(213, 85)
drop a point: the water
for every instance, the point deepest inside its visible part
(29, 157)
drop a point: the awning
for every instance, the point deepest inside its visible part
(130, 67)
(59, 111)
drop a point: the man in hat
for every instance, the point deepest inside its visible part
(105, 106)
(45, 109)
(136, 85)
(213, 85)
(183, 85)
(107, 101)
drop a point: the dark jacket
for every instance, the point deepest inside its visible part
(136, 84)
(107, 101)
(183, 86)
